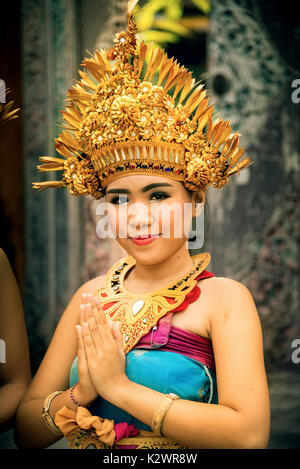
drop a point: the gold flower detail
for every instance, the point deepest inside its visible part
(198, 174)
(80, 177)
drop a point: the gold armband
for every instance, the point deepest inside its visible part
(160, 412)
(46, 415)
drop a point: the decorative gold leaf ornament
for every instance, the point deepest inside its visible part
(138, 313)
(6, 111)
(131, 116)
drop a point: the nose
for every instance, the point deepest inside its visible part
(139, 217)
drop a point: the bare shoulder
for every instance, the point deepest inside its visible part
(72, 311)
(4, 262)
(227, 286)
(3, 257)
(228, 298)
(91, 286)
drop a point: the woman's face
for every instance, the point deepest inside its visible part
(150, 215)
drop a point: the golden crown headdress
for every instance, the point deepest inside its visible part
(130, 115)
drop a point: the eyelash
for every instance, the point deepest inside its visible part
(159, 196)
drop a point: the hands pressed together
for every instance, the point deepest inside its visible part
(101, 357)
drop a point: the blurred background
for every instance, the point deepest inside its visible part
(247, 53)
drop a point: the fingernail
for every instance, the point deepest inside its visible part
(84, 295)
(82, 307)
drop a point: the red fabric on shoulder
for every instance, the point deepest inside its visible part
(194, 294)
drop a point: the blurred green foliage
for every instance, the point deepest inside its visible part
(161, 21)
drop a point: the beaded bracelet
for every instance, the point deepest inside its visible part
(74, 400)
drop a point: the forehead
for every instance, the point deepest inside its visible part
(138, 181)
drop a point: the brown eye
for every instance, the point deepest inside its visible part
(157, 196)
(119, 200)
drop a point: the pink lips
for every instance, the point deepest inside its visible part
(142, 240)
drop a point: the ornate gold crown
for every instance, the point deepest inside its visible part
(140, 112)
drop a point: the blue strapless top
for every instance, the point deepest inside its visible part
(162, 371)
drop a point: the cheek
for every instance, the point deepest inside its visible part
(117, 219)
(175, 219)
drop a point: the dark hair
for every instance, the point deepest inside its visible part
(206, 230)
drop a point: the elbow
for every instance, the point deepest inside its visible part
(257, 438)
(253, 431)
(19, 437)
(22, 432)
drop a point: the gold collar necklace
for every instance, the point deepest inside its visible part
(138, 313)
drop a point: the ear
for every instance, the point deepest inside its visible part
(198, 199)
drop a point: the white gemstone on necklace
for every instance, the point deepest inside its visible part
(137, 306)
(127, 337)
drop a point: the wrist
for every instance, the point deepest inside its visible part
(117, 394)
(79, 398)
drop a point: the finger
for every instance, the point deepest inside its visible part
(85, 309)
(93, 299)
(99, 324)
(82, 317)
(84, 297)
(90, 298)
(102, 320)
(88, 343)
(96, 304)
(111, 323)
(81, 355)
(97, 339)
(116, 330)
(88, 311)
(95, 314)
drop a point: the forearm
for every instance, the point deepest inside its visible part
(10, 396)
(31, 429)
(193, 424)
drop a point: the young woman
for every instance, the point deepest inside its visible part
(159, 353)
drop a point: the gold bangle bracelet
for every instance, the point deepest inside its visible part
(46, 415)
(160, 413)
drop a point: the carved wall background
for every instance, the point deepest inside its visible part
(254, 231)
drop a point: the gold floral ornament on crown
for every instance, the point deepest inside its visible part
(128, 115)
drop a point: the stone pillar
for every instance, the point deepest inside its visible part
(53, 233)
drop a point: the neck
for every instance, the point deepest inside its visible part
(170, 269)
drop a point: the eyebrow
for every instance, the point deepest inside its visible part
(145, 189)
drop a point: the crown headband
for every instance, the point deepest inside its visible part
(136, 111)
